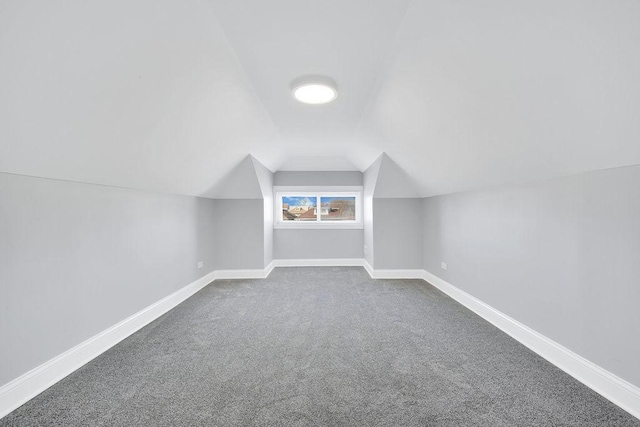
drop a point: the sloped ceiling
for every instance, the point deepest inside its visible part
(479, 94)
(145, 94)
(391, 181)
(172, 96)
(280, 40)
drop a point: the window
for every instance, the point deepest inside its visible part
(318, 207)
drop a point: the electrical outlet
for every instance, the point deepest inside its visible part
(366, 249)
(443, 265)
(200, 264)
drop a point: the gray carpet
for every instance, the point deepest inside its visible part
(319, 347)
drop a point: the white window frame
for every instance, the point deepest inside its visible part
(318, 193)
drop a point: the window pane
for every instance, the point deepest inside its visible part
(299, 208)
(338, 209)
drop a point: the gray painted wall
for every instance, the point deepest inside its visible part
(267, 227)
(265, 178)
(397, 233)
(317, 244)
(76, 259)
(392, 217)
(369, 179)
(244, 217)
(239, 231)
(561, 256)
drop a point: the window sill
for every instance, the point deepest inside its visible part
(310, 225)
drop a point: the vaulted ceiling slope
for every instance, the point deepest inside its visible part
(172, 96)
(483, 93)
(145, 94)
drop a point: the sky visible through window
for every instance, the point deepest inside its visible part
(299, 201)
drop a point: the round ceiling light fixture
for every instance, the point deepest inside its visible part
(314, 90)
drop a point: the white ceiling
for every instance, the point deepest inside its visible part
(145, 94)
(171, 96)
(280, 40)
(480, 94)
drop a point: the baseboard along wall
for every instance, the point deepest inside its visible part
(610, 386)
(37, 380)
(34, 382)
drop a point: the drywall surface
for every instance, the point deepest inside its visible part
(267, 228)
(561, 256)
(265, 178)
(479, 94)
(397, 233)
(76, 259)
(317, 244)
(392, 181)
(321, 178)
(369, 181)
(242, 182)
(239, 231)
(146, 95)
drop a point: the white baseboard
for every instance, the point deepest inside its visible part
(613, 388)
(368, 267)
(392, 274)
(27, 386)
(245, 274)
(336, 262)
(397, 274)
(34, 382)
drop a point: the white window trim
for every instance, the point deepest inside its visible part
(340, 191)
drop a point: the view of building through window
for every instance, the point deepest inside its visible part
(338, 208)
(299, 208)
(305, 208)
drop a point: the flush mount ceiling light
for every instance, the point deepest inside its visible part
(314, 90)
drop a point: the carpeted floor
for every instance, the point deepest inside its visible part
(319, 347)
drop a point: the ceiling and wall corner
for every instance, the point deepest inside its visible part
(265, 177)
(240, 183)
(170, 97)
(249, 179)
(392, 181)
